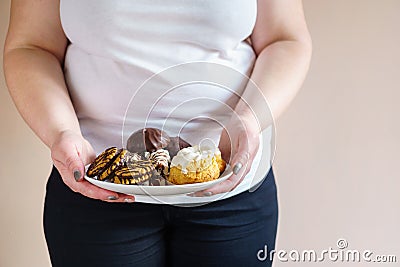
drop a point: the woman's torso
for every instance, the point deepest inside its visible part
(117, 45)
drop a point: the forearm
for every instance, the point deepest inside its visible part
(36, 83)
(279, 72)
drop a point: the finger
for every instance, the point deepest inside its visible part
(75, 166)
(66, 156)
(222, 187)
(89, 154)
(225, 186)
(232, 182)
(89, 190)
(241, 158)
(240, 163)
(225, 145)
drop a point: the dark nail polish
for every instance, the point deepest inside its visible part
(77, 175)
(237, 167)
(112, 198)
(207, 194)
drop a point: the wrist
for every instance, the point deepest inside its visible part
(245, 115)
(245, 121)
(61, 134)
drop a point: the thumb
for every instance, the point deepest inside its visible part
(225, 145)
(75, 166)
(69, 156)
(88, 154)
(242, 155)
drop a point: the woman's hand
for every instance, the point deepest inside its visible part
(70, 153)
(239, 144)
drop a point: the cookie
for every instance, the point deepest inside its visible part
(102, 162)
(135, 172)
(116, 162)
(161, 161)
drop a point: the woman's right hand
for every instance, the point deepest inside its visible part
(70, 153)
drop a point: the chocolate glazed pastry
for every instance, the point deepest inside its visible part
(175, 145)
(152, 139)
(147, 139)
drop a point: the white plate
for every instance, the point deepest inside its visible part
(160, 190)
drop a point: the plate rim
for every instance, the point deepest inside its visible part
(224, 176)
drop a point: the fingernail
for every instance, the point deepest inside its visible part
(128, 200)
(207, 194)
(77, 175)
(237, 167)
(112, 198)
(190, 194)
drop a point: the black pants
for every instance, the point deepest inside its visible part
(85, 232)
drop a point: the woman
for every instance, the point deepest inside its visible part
(71, 69)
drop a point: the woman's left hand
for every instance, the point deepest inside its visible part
(239, 144)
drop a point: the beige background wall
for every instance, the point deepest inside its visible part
(337, 145)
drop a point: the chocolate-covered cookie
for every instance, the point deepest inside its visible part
(147, 139)
(176, 143)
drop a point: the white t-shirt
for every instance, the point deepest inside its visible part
(177, 65)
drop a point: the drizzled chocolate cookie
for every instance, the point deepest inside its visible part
(135, 172)
(160, 160)
(102, 162)
(121, 166)
(118, 160)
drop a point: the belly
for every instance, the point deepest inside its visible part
(192, 99)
